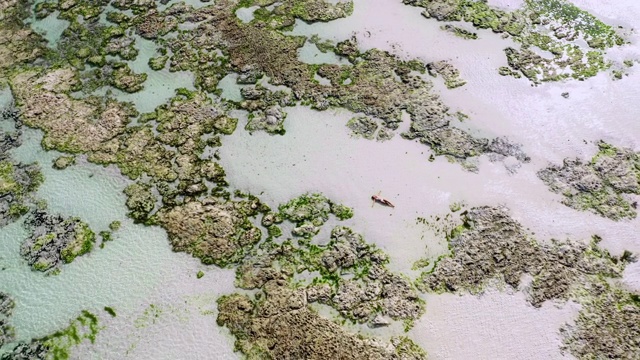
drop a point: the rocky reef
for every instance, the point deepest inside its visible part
(605, 185)
(491, 246)
(608, 325)
(7, 332)
(280, 325)
(216, 231)
(344, 273)
(59, 344)
(18, 181)
(554, 26)
(55, 240)
(449, 73)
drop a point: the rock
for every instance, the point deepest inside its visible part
(449, 73)
(607, 326)
(270, 120)
(278, 328)
(7, 332)
(17, 184)
(490, 245)
(140, 201)
(598, 185)
(363, 126)
(379, 321)
(55, 240)
(63, 162)
(214, 231)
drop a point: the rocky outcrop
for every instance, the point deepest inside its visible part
(281, 326)
(7, 333)
(490, 246)
(608, 325)
(70, 125)
(449, 73)
(602, 185)
(55, 240)
(576, 39)
(215, 231)
(18, 181)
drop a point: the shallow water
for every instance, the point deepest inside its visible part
(317, 154)
(134, 270)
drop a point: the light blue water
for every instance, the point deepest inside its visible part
(121, 275)
(50, 27)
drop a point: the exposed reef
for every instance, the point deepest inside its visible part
(57, 346)
(604, 185)
(489, 245)
(281, 326)
(70, 125)
(449, 73)
(63, 162)
(556, 28)
(608, 325)
(345, 273)
(55, 240)
(18, 181)
(7, 332)
(215, 231)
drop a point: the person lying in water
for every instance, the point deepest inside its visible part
(382, 201)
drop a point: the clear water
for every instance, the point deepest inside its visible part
(317, 154)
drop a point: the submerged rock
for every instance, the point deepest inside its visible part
(55, 240)
(602, 185)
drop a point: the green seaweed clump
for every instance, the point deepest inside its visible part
(58, 345)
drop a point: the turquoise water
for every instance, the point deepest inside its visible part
(160, 85)
(50, 27)
(121, 275)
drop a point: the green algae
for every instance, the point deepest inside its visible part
(599, 186)
(607, 324)
(58, 346)
(556, 26)
(490, 246)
